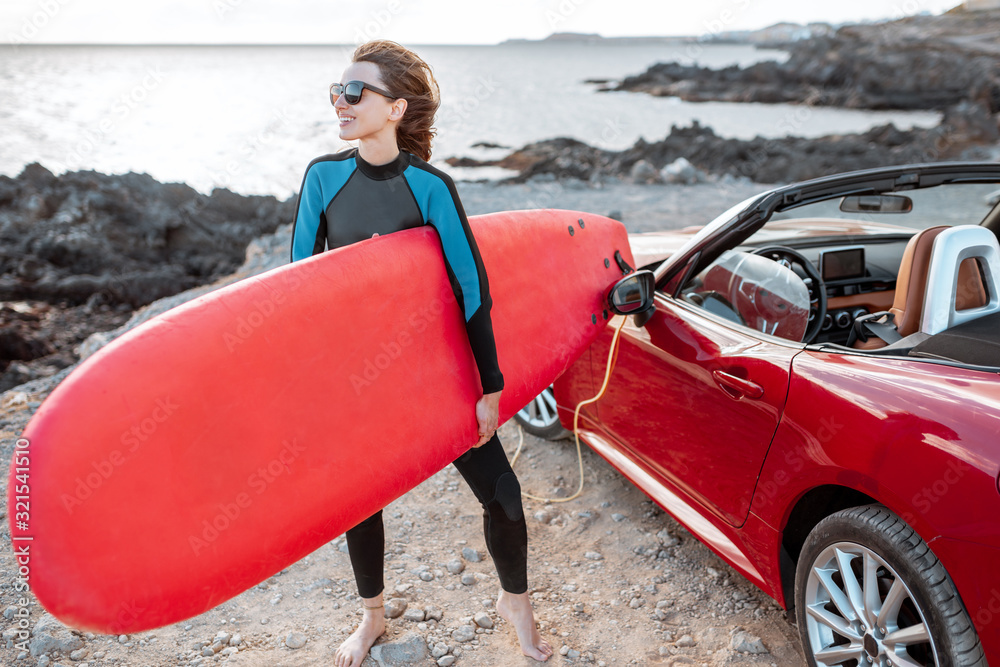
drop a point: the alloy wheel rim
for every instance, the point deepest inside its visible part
(541, 412)
(860, 612)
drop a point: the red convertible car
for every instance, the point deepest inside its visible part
(815, 395)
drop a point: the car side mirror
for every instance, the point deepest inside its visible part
(633, 295)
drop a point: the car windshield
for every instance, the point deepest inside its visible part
(951, 204)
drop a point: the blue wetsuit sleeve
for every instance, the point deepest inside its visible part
(468, 277)
(309, 228)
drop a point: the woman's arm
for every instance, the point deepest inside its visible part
(439, 202)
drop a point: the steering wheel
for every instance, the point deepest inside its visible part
(814, 283)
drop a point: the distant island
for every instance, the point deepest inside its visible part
(589, 37)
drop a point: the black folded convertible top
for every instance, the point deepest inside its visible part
(976, 342)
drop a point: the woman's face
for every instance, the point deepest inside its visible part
(369, 118)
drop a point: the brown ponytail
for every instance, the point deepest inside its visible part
(406, 75)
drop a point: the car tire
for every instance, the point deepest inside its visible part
(840, 622)
(540, 417)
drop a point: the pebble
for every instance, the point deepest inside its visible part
(51, 635)
(79, 654)
(464, 634)
(542, 516)
(635, 603)
(433, 614)
(618, 517)
(410, 649)
(455, 566)
(483, 620)
(471, 555)
(446, 661)
(593, 555)
(440, 650)
(468, 578)
(413, 614)
(744, 642)
(395, 607)
(295, 640)
(426, 576)
(686, 641)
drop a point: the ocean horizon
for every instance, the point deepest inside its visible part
(251, 117)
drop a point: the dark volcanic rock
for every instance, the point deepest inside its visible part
(915, 63)
(964, 128)
(80, 251)
(128, 239)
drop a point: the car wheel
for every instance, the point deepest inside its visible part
(869, 591)
(540, 417)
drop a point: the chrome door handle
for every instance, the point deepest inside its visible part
(737, 387)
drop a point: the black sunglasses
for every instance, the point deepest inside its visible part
(352, 91)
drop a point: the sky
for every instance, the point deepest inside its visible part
(412, 21)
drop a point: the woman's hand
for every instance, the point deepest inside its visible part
(488, 416)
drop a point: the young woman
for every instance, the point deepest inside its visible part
(386, 101)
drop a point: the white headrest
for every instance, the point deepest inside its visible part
(951, 248)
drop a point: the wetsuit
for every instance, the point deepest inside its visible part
(344, 199)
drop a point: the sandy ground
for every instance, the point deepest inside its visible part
(615, 580)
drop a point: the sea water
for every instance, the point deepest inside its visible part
(250, 118)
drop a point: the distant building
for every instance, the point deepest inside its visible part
(977, 5)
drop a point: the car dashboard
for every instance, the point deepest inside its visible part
(859, 274)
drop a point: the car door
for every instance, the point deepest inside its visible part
(697, 399)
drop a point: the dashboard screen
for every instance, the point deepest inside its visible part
(841, 264)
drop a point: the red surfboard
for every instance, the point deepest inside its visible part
(223, 440)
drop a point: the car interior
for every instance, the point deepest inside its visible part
(914, 273)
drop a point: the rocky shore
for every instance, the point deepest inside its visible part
(922, 62)
(967, 132)
(947, 63)
(80, 252)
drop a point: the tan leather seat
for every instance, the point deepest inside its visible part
(911, 285)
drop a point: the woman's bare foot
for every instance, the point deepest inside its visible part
(516, 610)
(353, 651)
